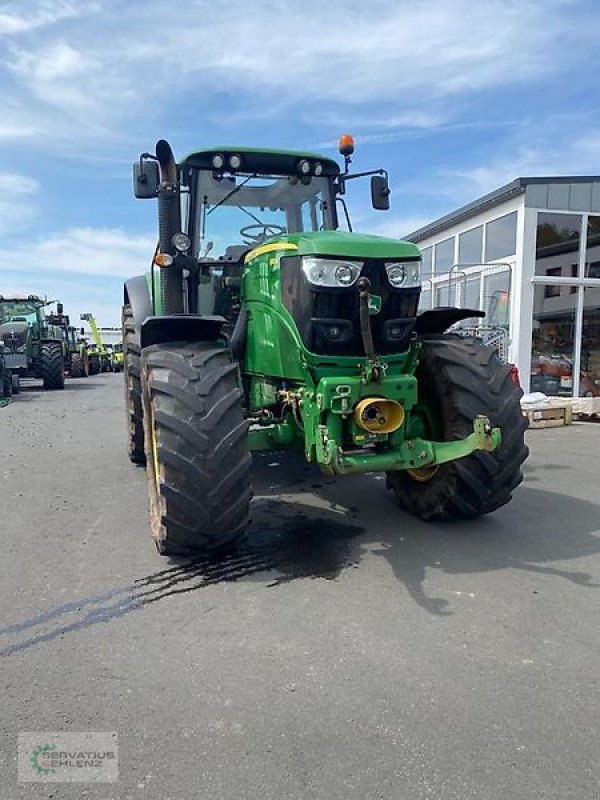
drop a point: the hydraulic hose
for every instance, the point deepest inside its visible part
(364, 285)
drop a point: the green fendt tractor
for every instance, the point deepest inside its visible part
(32, 348)
(261, 326)
(76, 360)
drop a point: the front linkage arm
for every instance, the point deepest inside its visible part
(411, 454)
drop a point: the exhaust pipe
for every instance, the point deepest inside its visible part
(378, 415)
(169, 223)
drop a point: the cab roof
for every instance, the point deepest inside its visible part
(261, 161)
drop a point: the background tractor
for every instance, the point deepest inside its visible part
(76, 360)
(103, 354)
(262, 326)
(9, 383)
(32, 347)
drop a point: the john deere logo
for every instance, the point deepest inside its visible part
(374, 304)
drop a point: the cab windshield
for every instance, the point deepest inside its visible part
(15, 311)
(237, 212)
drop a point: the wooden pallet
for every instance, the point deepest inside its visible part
(554, 415)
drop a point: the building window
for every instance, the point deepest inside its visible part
(592, 248)
(501, 237)
(550, 290)
(470, 245)
(592, 270)
(557, 242)
(426, 258)
(553, 345)
(496, 301)
(444, 255)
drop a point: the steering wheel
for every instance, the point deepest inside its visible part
(264, 231)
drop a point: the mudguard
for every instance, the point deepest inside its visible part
(181, 328)
(136, 294)
(438, 320)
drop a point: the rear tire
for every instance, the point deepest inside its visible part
(52, 366)
(77, 368)
(7, 384)
(133, 389)
(459, 379)
(94, 365)
(196, 447)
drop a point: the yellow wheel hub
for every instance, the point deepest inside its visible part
(423, 474)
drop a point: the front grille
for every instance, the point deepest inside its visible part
(328, 319)
(14, 340)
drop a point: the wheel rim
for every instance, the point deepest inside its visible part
(423, 474)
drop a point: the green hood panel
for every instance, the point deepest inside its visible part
(350, 245)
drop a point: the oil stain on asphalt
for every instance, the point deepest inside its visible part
(298, 547)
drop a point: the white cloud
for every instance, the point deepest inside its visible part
(108, 252)
(571, 156)
(17, 202)
(40, 14)
(399, 63)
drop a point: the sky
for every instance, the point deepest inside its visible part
(454, 98)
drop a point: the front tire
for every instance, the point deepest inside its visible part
(7, 384)
(133, 389)
(457, 380)
(196, 447)
(52, 366)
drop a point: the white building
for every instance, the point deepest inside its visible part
(528, 254)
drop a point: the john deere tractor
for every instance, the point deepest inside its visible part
(33, 348)
(261, 327)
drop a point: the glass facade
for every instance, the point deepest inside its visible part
(444, 255)
(427, 260)
(501, 237)
(470, 246)
(566, 318)
(496, 298)
(552, 342)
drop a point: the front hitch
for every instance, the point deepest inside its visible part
(411, 454)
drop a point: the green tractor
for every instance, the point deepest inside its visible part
(76, 359)
(32, 347)
(262, 327)
(9, 383)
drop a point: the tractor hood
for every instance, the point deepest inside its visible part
(16, 329)
(341, 243)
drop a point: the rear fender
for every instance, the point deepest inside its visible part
(181, 328)
(136, 294)
(438, 320)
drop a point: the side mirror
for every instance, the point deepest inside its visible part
(146, 179)
(82, 331)
(380, 193)
(59, 309)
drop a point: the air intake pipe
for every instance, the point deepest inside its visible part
(169, 223)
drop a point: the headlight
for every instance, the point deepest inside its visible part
(329, 272)
(318, 169)
(235, 161)
(304, 167)
(181, 242)
(403, 274)
(218, 161)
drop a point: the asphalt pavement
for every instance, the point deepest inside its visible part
(345, 650)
